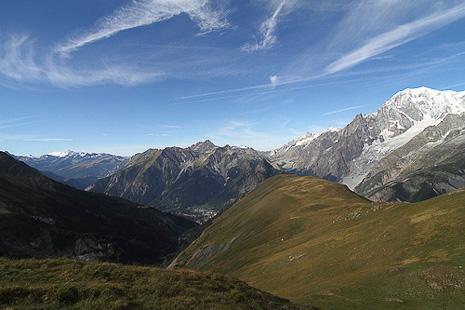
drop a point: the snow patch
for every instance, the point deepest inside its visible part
(305, 139)
(58, 154)
(379, 149)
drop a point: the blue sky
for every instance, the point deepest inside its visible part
(124, 76)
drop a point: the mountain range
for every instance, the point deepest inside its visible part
(197, 181)
(75, 169)
(410, 149)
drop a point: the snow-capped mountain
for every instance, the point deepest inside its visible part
(84, 168)
(401, 118)
(349, 154)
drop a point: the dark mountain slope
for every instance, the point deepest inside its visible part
(43, 218)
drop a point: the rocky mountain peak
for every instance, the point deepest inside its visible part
(204, 146)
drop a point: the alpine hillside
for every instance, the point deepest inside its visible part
(350, 155)
(198, 181)
(43, 218)
(50, 284)
(317, 243)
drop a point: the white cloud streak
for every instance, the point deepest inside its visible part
(343, 110)
(170, 126)
(16, 122)
(14, 125)
(16, 119)
(48, 140)
(398, 36)
(267, 32)
(146, 12)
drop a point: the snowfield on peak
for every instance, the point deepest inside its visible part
(69, 153)
(418, 102)
(304, 140)
(59, 154)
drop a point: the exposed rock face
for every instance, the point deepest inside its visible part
(349, 155)
(188, 180)
(42, 218)
(432, 163)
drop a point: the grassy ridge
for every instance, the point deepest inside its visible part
(316, 242)
(70, 284)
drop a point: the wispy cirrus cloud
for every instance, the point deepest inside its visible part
(400, 35)
(121, 74)
(47, 139)
(16, 119)
(242, 132)
(236, 130)
(267, 36)
(21, 62)
(13, 125)
(170, 126)
(17, 58)
(16, 122)
(345, 109)
(146, 12)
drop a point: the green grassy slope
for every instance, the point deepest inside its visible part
(316, 242)
(69, 284)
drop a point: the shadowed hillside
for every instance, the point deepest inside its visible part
(42, 218)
